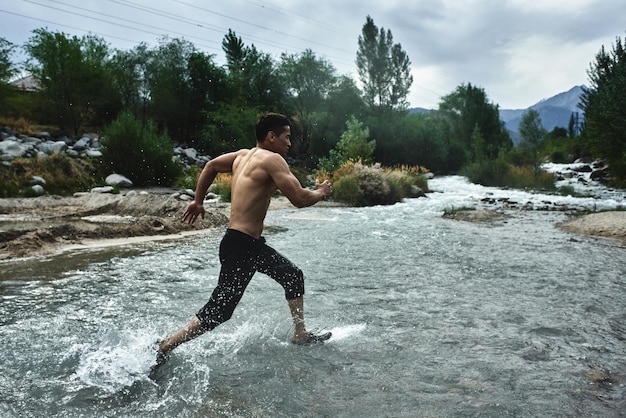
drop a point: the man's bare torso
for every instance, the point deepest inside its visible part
(251, 190)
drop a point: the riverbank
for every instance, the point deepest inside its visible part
(33, 227)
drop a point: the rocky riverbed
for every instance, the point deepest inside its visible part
(32, 227)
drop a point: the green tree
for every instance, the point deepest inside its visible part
(533, 134)
(73, 77)
(604, 105)
(7, 71)
(354, 144)
(384, 68)
(254, 76)
(129, 70)
(7, 67)
(343, 100)
(468, 109)
(309, 81)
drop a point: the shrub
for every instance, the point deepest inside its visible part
(137, 151)
(346, 189)
(359, 185)
(222, 185)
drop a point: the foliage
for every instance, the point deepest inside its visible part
(499, 173)
(139, 152)
(384, 68)
(533, 135)
(63, 175)
(604, 104)
(353, 146)
(184, 84)
(188, 178)
(222, 185)
(73, 78)
(7, 67)
(228, 128)
(309, 81)
(254, 76)
(475, 123)
(361, 185)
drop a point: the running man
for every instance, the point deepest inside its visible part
(256, 174)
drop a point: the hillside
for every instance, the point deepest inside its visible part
(555, 112)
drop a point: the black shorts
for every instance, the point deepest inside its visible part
(241, 256)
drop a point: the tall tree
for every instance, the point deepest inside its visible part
(7, 68)
(468, 109)
(533, 134)
(7, 71)
(604, 104)
(383, 68)
(309, 81)
(73, 76)
(254, 75)
(129, 70)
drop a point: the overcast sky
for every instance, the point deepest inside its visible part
(519, 51)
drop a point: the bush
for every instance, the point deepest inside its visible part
(498, 173)
(346, 189)
(139, 152)
(359, 185)
(491, 173)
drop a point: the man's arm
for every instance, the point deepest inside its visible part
(221, 164)
(289, 185)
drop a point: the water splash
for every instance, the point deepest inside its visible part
(120, 360)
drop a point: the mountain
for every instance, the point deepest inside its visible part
(554, 112)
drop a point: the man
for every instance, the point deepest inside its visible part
(256, 174)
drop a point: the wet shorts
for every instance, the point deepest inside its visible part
(241, 256)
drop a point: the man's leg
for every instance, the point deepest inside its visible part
(188, 332)
(296, 306)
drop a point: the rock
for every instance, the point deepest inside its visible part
(37, 190)
(37, 180)
(417, 192)
(118, 180)
(50, 147)
(82, 144)
(11, 149)
(103, 189)
(94, 153)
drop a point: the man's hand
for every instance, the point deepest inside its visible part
(191, 213)
(324, 187)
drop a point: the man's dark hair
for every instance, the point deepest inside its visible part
(274, 122)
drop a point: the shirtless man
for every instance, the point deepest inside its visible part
(256, 174)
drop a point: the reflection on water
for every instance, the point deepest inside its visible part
(431, 317)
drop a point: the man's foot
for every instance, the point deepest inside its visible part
(313, 339)
(160, 356)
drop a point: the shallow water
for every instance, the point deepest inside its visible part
(430, 317)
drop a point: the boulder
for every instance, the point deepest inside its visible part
(37, 190)
(37, 180)
(103, 189)
(11, 148)
(118, 180)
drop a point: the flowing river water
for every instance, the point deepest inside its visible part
(431, 317)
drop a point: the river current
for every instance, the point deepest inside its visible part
(431, 317)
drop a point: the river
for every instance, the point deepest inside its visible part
(431, 317)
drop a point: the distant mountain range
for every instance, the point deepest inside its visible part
(554, 112)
